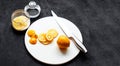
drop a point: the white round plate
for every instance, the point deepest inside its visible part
(51, 54)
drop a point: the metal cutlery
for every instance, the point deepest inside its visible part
(69, 34)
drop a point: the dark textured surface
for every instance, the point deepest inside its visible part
(98, 20)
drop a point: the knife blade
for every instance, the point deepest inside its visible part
(69, 34)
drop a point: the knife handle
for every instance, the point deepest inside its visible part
(79, 44)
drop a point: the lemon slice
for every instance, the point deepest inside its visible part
(46, 42)
(49, 37)
(52, 32)
(41, 37)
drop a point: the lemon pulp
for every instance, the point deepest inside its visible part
(20, 22)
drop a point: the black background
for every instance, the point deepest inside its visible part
(98, 20)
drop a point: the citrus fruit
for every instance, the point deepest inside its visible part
(63, 41)
(31, 33)
(53, 32)
(46, 42)
(34, 36)
(41, 37)
(49, 36)
(33, 40)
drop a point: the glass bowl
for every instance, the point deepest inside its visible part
(19, 20)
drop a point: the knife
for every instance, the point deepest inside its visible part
(69, 34)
